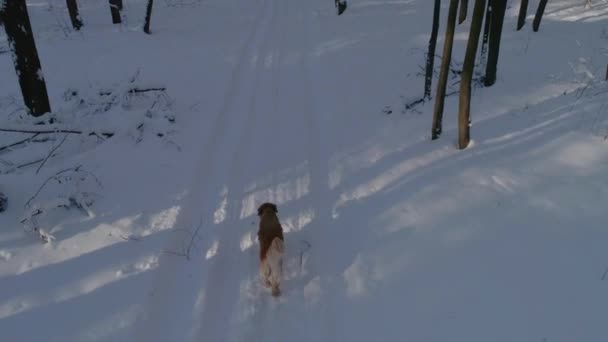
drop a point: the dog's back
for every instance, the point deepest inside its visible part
(270, 236)
(270, 228)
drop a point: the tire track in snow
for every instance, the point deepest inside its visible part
(255, 299)
(222, 287)
(319, 170)
(153, 324)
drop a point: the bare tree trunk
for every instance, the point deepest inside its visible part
(25, 56)
(74, 16)
(464, 105)
(445, 69)
(430, 57)
(539, 15)
(464, 8)
(148, 16)
(115, 8)
(499, 8)
(486, 33)
(523, 11)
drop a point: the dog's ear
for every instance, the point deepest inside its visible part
(260, 208)
(274, 208)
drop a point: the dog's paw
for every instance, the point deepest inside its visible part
(276, 291)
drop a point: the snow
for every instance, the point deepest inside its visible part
(150, 235)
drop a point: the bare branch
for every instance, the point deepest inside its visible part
(51, 153)
(19, 142)
(55, 130)
(77, 168)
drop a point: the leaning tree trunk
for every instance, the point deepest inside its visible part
(539, 15)
(523, 11)
(148, 16)
(115, 8)
(430, 57)
(74, 16)
(445, 69)
(499, 8)
(464, 8)
(486, 33)
(464, 105)
(18, 29)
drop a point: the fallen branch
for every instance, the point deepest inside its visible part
(186, 253)
(51, 153)
(135, 91)
(200, 224)
(143, 90)
(77, 168)
(56, 130)
(19, 142)
(29, 163)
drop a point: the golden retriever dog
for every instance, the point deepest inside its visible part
(270, 236)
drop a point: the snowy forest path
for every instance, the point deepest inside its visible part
(267, 129)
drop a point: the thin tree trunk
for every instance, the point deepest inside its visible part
(539, 15)
(148, 16)
(464, 105)
(498, 16)
(523, 11)
(115, 8)
(486, 33)
(25, 56)
(430, 57)
(464, 8)
(74, 16)
(445, 69)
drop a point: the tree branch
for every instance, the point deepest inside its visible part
(56, 130)
(19, 142)
(51, 153)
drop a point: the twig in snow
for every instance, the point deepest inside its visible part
(77, 168)
(186, 252)
(29, 163)
(19, 142)
(51, 153)
(192, 239)
(56, 130)
(135, 91)
(605, 274)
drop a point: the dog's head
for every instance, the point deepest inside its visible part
(267, 207)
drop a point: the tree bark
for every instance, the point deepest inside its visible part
(430, 57)
(523, 11)
(486, 33)
(25, 56)
(464, 8)
(74, 16)
(539, 15)
(464, 105)
(499, 8)
(445, 69)
(115, 8)
(148, 16)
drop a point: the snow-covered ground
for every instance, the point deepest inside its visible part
(150, 235)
